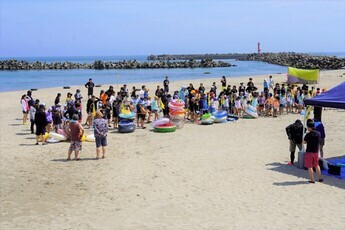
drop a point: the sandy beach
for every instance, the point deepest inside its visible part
(223, 176)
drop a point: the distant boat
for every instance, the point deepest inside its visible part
(207, 72)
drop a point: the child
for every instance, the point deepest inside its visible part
(275, 105)
(255, 101)
(238, 107)
(154, 107)
(226, 104)
(116, 112)
(57, 117)
(269, 105)
(57, 99)
(244, 103)
(282, 103)
(149, 108)
(261, 102)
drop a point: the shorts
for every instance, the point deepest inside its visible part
(293, 146)
(25, 112)
(40, 130)
(322, 141)
(149, 108)
(101, 141)
(281, 106)
(261, 106)
(311, 160)
(75, 146)
(141, 116)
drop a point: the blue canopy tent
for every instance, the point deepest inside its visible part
(334, 98)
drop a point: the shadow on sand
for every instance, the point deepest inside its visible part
(80, 159)
(303, 174)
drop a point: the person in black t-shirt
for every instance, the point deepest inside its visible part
(311, 160)
(166, 84)
(295, 134)
(89, 85)
(223, 81)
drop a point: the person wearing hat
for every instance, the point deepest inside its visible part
(295, 134)
(89, 85)
(76, 131)
(311, 159)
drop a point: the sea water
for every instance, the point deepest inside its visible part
(27, 79)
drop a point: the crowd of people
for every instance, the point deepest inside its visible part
(273, 100)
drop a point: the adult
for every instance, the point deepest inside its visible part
(295, 135)
(223, 82)
(100, 126)
(142, 92)
(270, 83)
(32, 115)
(76, 132)
(57, 99)
(41, 123)
(241, 88)
(25, 107)
(311, 160)
(319, 127)
(30, 99)
(213, 88)
(166, 84)
(201, 89)
(90, 85)
(158, 92)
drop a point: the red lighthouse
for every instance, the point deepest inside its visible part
(259, 49)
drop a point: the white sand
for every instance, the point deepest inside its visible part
(224, 176)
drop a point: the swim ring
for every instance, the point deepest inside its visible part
(52, 140)
(178, 121)
(177, 112)
(165, 128)
(90, 138)
(57, 136)
(232, 116)
(251, 111)
(205, 116)
(220, 114)
(127, 116)
(161, 121)
(220, 120)
(128, 128)
(125, 123)
(177, 102)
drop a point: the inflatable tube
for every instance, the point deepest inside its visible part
(62, 132)
(205, 116)
(166, 128)
(207, 122)
(90, 138)
(178, 121)
(177, 103)
(57, 136)
(125, 123)
(251, 111)
(231, 119)
(175, 107)
(248, 117)
(126, 128)
(52, 140)
(233, 116)
(220, 120)
(220, 114)
(66, 87)
(175, 112)
(161, 121)
(127, 116)
(98, 85)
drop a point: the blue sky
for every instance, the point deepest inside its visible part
(82, 28)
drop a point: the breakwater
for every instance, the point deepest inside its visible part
(303, 61)
(99, 65)
(195, 56)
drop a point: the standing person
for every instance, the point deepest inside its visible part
(41, 123)
(25, 107)
(223, 81)
(90, 85)
(57, 99)
(295, 135)
(241, 88)
(141, 114)
(100, 126)
(77, 96)
(311, 160)
(166, 84)
(30, 99)
(32, 115)
(76, 131)
(319, 127)
(270, 83)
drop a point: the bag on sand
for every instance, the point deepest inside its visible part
(300, 163)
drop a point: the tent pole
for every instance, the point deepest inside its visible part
(304, 125)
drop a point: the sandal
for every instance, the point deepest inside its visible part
(103, 157)
(320, 180)
(311, 182)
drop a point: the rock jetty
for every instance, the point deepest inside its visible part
(131, 64)
(165, 57)
(303, 61)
